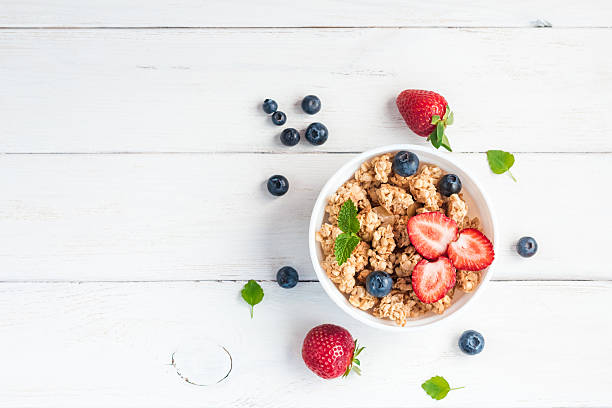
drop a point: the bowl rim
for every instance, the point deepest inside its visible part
(329, 286)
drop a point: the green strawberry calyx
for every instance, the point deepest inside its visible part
(355, 363)
(438, 137)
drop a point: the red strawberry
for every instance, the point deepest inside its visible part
(329, 351)
(472, 251)
(431, 281)
(430, 233)
(427, 114)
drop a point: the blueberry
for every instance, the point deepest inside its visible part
(278, 185)
(471, 342)
(279, 118)
(405, 163)
(290, 137)
(449, 185)
(317, 133)
(378, 283)
(270, 106)
(527, 247)
(311, 104)
(287, 277)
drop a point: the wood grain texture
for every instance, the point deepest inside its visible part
(201, 90)
(209, 217)
(101, 345)
(273, 13)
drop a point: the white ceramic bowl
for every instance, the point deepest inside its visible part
(476, 200)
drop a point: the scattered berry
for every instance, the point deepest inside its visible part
(278, 185)
(471, 342)
(290, 137)
(279, 118)
(527, 247)
(311, 104)
(405, 163)
(449, 184)
(431, 281)
(287, 277)
(430, 233)
(270, 106)
(472, 251)
(423, 112)
(379, 283)
(329, 351)
(317, 133)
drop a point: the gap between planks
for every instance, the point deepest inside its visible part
(314, 27)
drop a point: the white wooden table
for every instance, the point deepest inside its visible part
(132, 206)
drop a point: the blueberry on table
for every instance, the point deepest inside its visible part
(449, 184)
(405, 163)
(471, 342)
(311, 104)
(287, 277)
(317, 133)
(527, 247)
(279, 118)
(278, 185)
(290, 137)
(270, 106)
(379, 283)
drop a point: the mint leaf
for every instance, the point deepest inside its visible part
(347, 217)
(349, 224)
(252, 293)
(500, 161)
(437, 387)
(344, 246)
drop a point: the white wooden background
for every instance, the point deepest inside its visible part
(132, 205)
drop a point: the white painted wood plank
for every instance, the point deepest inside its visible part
(273, 13)
(208, 216)
(201, 90)
(101, 345)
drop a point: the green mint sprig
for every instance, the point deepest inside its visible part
(252, 293)
(500, 161)
(349, 225)
(438, 137)
(437, 387)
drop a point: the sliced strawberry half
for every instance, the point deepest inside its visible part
(431, 281)
(430, 233)
(472, 251)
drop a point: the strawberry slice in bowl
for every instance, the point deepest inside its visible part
(472, 251)
(431, 281)
(430, 233)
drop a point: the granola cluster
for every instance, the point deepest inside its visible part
(386, 202)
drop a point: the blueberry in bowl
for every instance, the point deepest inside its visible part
(449, 184)
(405, 163)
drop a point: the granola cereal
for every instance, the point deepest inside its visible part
(385, 202)
(362, 299)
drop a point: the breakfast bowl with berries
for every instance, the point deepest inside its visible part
(402, 237)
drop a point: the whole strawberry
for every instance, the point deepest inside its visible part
(329, 351)
(427, 114)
